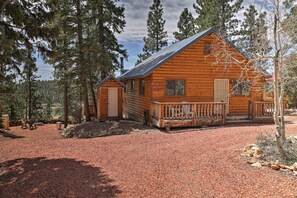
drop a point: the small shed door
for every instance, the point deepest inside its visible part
(112, 102)
(221, 91)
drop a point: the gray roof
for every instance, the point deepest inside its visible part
(153, 62)
(110, 77)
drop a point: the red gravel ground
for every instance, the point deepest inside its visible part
(190, 164)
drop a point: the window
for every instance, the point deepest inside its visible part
(207, 48)
(175, 87)
(141, 87)
(132, 85)
(125, 87)
(241, 88)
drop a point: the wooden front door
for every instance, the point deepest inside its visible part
(221, 91)
(112, 102)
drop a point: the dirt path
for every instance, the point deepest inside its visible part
(191, 164)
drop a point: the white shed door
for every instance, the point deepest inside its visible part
(112, 102)
(221, 91)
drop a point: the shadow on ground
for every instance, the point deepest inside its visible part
(8, 134)
(41, 177)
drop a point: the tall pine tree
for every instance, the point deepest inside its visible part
(156, 37)
(29, 78)
(253, 33)
(62, 51)
(218, 14)
(22, 29)
(186, 26)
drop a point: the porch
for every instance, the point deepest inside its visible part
(190, 114)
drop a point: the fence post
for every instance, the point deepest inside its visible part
(224, 113)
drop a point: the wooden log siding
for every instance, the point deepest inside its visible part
(102, 99)
(134, 103)
(199, 72)
(177, 114)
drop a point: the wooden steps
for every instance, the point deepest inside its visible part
(238, 119)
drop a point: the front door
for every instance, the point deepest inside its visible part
(112, 102)
(221, 91)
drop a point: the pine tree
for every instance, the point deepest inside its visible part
(218, 14)
(22, 23)
(29, 77)
(186, 26)
(106, 20)
(253, 33)
(156, 37)
(22, 29)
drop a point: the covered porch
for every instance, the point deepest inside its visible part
(191, 114)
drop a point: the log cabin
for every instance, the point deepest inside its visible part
(194, 82)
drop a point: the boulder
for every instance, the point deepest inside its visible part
(291, 168)
(257, 164)
(295, 173)
(252, 160)
(284, 170)
(275, 166)
(295, 166)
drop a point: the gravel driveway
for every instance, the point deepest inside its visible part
(190, 164)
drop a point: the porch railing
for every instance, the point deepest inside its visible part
(259, 110)
(195, 111)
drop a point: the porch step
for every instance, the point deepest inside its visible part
(231, 122)
(238, 119)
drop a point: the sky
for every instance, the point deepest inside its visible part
(136, 12)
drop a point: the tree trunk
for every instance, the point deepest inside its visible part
(65, 103)
(277, 98)
(81, 67)
(94, 100)
(29, 97)
(66, 86)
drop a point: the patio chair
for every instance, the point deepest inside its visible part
(187, 111)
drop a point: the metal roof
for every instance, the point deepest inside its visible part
(156, 60)
(110, 77)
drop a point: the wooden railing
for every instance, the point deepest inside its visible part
(167, 111)
(258, 110)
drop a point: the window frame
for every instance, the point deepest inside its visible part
(132, 85)
(184, 92)
(125, 87)
(207, 51)
(141, 88)
(241, 88)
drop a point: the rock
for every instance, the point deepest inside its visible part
(295, 173)
(252, 161)
(291, 168)
(257, 156)
(265, 164)
(257, 164)
(259, 151)
(284, 170)
(282, 166)
(248, 147)
(295, 166)
(275, 166)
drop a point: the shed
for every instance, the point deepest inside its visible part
(109, 98)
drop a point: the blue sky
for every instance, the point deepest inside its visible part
(136, 12)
